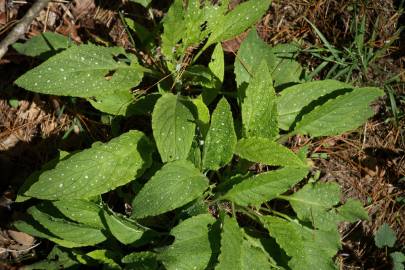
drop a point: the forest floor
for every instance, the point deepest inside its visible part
(369, 163)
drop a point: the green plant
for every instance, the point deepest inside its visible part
(198, 204)
(354, 62)
(385, 237)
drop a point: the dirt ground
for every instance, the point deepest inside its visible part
(369, 163)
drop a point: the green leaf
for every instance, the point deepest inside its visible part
(41, 232)
(97, 170)
(173, 127)
(191, 248)
(263, 150)
(308, 249)
(81, 211)
(174, 185)
(145, 260)
(101, 256)
(236, 21)
(339, 115)
(58, 258)
(279, 59)
(84, 71)
(352, 211)
(259, 109)
(217, 63)
(315, 203)
(385, 236)
(293, 100)
(174, 27)
(251, 53)
(144, 3)
(398, 259)
(43, 45)
(203, 116)
(79, 234)
(127, 231)
(35, 176)
(265, 186)
(116, 103)
(286, 69)
(237, 253)
(221, 138)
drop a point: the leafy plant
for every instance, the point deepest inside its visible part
(196, 202)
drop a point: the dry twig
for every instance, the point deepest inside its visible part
(22, 26)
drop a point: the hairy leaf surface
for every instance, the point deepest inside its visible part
(266, 151)
(316, 203)
(175, 184)
(96, 170)
(144, 260)
(294, 99)
(81, 211)
(309, 249)
(221, 138)
(259, 109)
(79, 234)
(191, 248)
(341, 114)
(279, 59)
(173, 128)
(265, 186)
(124, 229)
(84, 71)
(236, 21)
(44, 45)
(237, 253)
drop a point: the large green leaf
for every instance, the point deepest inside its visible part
(294, 99)
(221, 138)
(339, 115)
(251, 53)
(191, 248)
(58, 258)
(173, 127)
(217, 63)
(308, 249)
(236, 21)
(97, 170)
(259, 109)
(116, 103)
(265, 186)
(174, 27)
(202, 116)
(81, 211)
(144, 260)
(237, 253)
(43, 45)
(84, 71)
(175, 184)
(315, 203)
(38, 231)
(280, 60)
(263, 150)
(79, 234)
(125, 230)
(286, 69)
(188, 25)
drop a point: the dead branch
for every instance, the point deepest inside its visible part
(21, 27)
